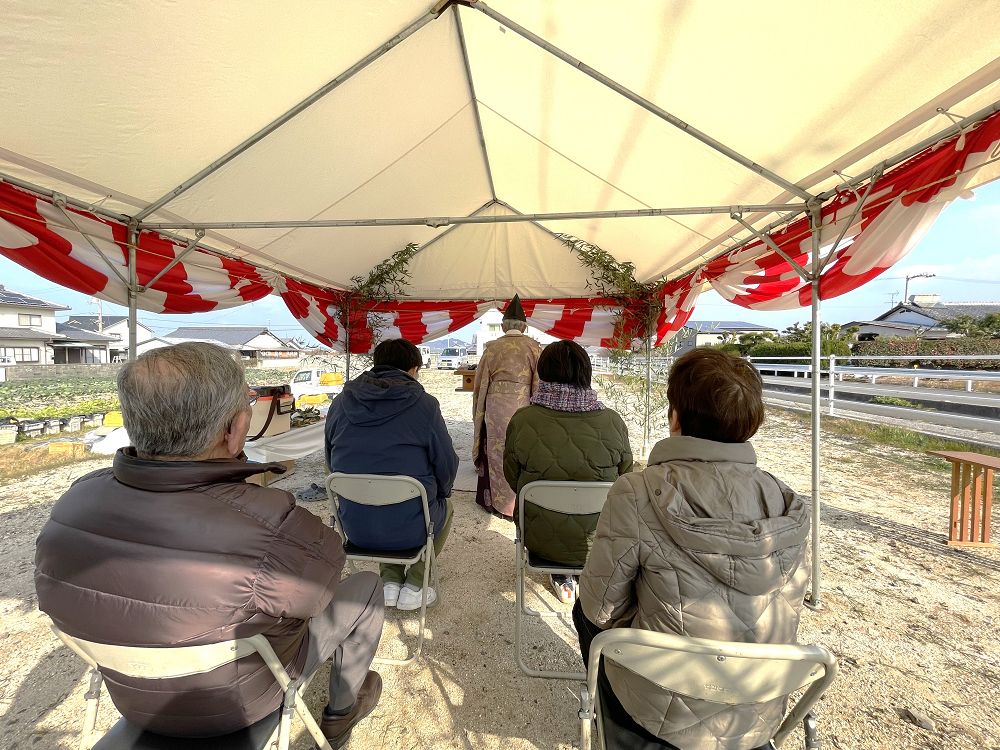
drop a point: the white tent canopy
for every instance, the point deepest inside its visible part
(132, 101)
(185, 157)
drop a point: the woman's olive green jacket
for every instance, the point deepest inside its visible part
(543, 443)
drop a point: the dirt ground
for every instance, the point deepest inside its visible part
(915, 624)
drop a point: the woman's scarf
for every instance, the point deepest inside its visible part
(565, 397)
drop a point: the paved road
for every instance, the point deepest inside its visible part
(989, 400)
(961, 421)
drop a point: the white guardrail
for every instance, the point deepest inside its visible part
(835, 372)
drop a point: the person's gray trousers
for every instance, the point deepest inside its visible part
(348, 631)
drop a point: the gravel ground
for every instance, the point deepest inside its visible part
(916, 624)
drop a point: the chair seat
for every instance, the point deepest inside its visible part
(544, 565)
(127, 736)
(393, 555)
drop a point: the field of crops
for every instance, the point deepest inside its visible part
(66, 397)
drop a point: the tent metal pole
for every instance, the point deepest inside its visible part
(75, 202)
(857, 210)
(767, 240)
(133, 288)
(59, 201)
(192, 244)
(475, 102)
(642, 101)
(878, 169)
(815, 221)
(443, 221)
(918, 147)
(297, 109)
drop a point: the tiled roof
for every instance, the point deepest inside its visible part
(176, 340)
(29, 333)
(708, 326)
(89, 322)
(234, 336)
(10, 297)
(72, 333)
(945, 310)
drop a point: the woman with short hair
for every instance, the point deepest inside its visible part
(566, 434)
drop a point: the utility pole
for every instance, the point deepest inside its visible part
(906, 293)
(100, 313)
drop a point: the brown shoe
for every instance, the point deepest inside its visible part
(337, 729)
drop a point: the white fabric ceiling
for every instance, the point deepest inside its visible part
(131, 99)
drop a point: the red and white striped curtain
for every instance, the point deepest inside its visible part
(35, 234)
(898, 211)
(901, 207)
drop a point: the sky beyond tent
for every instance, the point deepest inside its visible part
(465, 116)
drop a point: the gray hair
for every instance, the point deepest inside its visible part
(517, 325)
(177, 400)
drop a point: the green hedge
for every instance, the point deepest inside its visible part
(798, 349)
(887, 347)
(733, 349)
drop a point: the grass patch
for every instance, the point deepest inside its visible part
(893, 401)
(890, 435)
(19, 461)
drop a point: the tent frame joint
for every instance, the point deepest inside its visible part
(199, 234)
(59, 201)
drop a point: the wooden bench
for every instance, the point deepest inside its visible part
(971, 497)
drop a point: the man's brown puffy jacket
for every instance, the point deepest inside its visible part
(701, 543)
(157, 553)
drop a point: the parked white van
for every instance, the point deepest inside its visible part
(453, 358)
(425, 356)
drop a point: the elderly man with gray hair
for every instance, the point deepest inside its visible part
(172, 547)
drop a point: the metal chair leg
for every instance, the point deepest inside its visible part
(521, 609)
(586, 717)
(92, 699)
(429, 560)
(811, 732)
(285, 723)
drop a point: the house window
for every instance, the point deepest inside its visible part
(21, 353)
(29, 320)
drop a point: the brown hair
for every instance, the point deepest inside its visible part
(716, 396)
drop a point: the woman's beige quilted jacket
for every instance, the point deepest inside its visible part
(705, 544)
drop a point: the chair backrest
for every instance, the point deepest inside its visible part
(375, 489)
(719, 671)
(158, 663)
(571, 498)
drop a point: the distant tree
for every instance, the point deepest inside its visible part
(799, 333)
(986, 327)
(749, 340)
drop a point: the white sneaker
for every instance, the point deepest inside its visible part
(391, 593)
(409, 597)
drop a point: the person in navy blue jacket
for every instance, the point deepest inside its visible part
(384, 422)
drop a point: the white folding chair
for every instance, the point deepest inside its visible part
(718, 671)
(375, 489)
(182, 661)
(571, 498)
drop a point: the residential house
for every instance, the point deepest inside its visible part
(80, 347)
(115, 326)
(705, 332)
(27, 328)
(921, 316)
(491, 328)
(253, 343)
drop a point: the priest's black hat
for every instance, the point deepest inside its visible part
(514, 310)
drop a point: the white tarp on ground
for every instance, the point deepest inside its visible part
(121, 103)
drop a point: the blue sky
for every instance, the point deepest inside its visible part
(962, 249)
